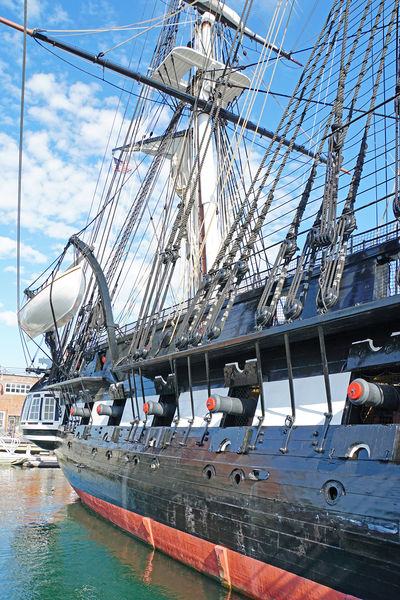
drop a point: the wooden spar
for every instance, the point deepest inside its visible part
(16, 26)
(205, 105)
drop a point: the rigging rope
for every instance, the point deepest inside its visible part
(242, 242)
(207, 289)
(19, 206)
(143, 337)
(333, 264)
(225, 278)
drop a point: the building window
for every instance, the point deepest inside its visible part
(17, 388)
(48, 408)
(12, 424)
(2, 419)
(34, 411)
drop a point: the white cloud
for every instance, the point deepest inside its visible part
(41, 84)
(35, 7)
(8, 249)
(66, 129)
(7, 84)
(98, 8)
(59, 16)
(8, 317)
(259, 7)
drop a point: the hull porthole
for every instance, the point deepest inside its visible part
(237, 477)
(333, 491)
(208, 472)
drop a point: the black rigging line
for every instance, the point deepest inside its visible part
(305, 231)
(320, 102)
(164, 88)
(127, 106)
(111, 198)
(118, 87)
(57, 260)
(330, 104)
(339, 40)
(366, 113)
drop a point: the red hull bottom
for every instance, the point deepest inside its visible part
(247, 575)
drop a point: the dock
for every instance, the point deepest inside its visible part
(18, 452)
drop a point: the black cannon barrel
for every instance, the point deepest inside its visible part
(227, 405)
(366, 393)
(80, 411)
(159, 409)
(109, 411)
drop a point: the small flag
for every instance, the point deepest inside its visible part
(121, 166)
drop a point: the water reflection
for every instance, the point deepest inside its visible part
(54, 548)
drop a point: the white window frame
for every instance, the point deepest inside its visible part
(48, 408)
(17, 388)
(26, 407)
(35, 404)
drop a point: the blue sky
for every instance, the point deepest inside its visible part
(68, 119)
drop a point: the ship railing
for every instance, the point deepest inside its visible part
(358, 242)
(373, 237)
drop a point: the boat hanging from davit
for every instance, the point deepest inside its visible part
(231, 376)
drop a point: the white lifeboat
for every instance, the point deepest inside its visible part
(55, 304)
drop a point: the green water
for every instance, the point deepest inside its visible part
(53, 548)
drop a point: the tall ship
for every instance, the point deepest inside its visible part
(224, 332)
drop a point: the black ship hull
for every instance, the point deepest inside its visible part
(252, 430)
(293, 511)
(320, 518)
